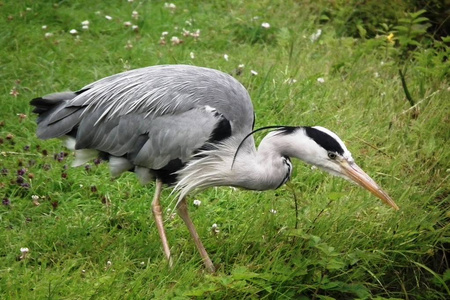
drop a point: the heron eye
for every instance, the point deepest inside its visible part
(332, 155)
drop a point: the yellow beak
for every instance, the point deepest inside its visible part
(356, 174)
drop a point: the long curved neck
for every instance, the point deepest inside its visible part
(264, 169)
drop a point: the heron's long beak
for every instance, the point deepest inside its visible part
(356, 174)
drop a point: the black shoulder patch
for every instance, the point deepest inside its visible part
(324, 140)
(167, 174)
(221, 131)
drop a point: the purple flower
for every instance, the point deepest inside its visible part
(25, 185)
(21, 172)
(20, 180)
(6, 201)
(60, 156)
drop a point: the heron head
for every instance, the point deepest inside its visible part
(328, 152)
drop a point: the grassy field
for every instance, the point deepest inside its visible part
(90, 236)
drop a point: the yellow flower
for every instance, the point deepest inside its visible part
(390, 38)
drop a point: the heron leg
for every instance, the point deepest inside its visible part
(183, 212)
(157, 213)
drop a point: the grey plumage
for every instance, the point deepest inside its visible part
(187, 126)
(149, 116)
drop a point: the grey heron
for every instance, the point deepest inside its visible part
(188, 127)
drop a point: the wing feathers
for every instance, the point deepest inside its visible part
(150, 117)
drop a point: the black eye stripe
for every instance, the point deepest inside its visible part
(324, 140)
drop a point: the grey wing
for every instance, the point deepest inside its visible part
(153, 91)
(154, 142)
(149, 116)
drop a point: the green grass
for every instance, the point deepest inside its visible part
(347, 244)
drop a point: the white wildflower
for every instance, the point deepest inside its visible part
(241, 66)
(273, 211)
(129, 45)
(48, 35)
(24, 252)
(197, 202)
(164, 33)
(14, 92)
(320, 80)
(142, 263)
(73, 31)
(36, 200)
(196, 34)
(225, 56)
(108, 263)
(85, 23)
(44, 27)
(170, 6)
(109, 18)
(135, 28)
(175, 40)
(265, 25)
(315, 36)
(85, 27)
(135, 15)
(254, 73)
(188, 22)
(127, 24)
(215, 228)
(186, 32)
(192, 55)
(290, 81)
(376, 75)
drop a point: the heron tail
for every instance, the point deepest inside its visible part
(44, 105)
(55, 119)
